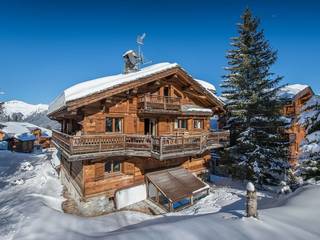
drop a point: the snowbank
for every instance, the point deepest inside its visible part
(30, 208)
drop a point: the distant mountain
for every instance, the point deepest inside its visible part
(19, 111)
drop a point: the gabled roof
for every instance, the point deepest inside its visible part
(291, 91)
(96, 86)
(210, 87)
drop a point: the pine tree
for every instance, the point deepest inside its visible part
(310, 147)
(253, 117)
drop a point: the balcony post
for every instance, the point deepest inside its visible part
(71, 142)
(160, 146)
(182, 143)
(145, 101)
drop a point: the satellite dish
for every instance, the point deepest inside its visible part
(140, 39)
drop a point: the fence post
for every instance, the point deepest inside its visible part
(251, 201)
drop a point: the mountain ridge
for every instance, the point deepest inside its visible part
(20, 111)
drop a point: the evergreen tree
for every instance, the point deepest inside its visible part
(254, 118)
(310, 147)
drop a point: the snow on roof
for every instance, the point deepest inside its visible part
(195, 108)
(25, 137)
(290, 91)
(101, 84)
(210, 87)
(21, 129)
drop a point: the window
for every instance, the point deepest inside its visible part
(117, 125)
(112, 166)
(113, 124)
(109, 125)
(197, 123)
(181, 123)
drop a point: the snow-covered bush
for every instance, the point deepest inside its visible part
(310, 147)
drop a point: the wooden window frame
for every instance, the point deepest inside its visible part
(113, 119)
(178, 123)
(201, 123)
(112, 163)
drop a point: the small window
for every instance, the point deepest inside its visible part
(181, 123)
(113, 124)
(109, 125)
(112, 166)
(198, 124)
(117, 125)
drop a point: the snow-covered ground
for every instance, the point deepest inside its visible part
(30, 208)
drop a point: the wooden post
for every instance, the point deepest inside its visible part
(191, 200)
(160, 146)
(157, 196)
(170, 207)
(251, 201)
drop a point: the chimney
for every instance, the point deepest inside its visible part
(131, 61)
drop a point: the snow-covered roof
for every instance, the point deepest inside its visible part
(195, 108)
(101, 84)
(210, 87)
(290, 91)
(21, 130)
(25, 137)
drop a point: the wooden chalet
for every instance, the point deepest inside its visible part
(295, 95)
(117, 129)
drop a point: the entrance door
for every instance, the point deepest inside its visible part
(150, 126)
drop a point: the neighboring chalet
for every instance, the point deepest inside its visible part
(23, 137)
(146, 129)
(295, 95)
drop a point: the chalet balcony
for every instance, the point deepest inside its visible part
(157, 104)
(162, 147)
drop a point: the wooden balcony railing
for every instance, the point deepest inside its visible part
(159, 147)
(155, 102)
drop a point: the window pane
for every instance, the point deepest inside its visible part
(108, 124)
(116, 166)
(176, 125)
(107, 167)
(118, 125)
(198, 123)
(183, 123)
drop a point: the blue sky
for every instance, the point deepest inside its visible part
(47, 46)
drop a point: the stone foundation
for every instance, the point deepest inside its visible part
(93, 206)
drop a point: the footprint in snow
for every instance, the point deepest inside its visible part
(26, 166)
(18, 182)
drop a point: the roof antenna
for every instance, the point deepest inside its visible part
(140, 42)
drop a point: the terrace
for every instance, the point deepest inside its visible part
(160, 147)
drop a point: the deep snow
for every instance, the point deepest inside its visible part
(32, 210)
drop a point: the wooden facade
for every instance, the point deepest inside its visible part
(111, 139)
(296, 132)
